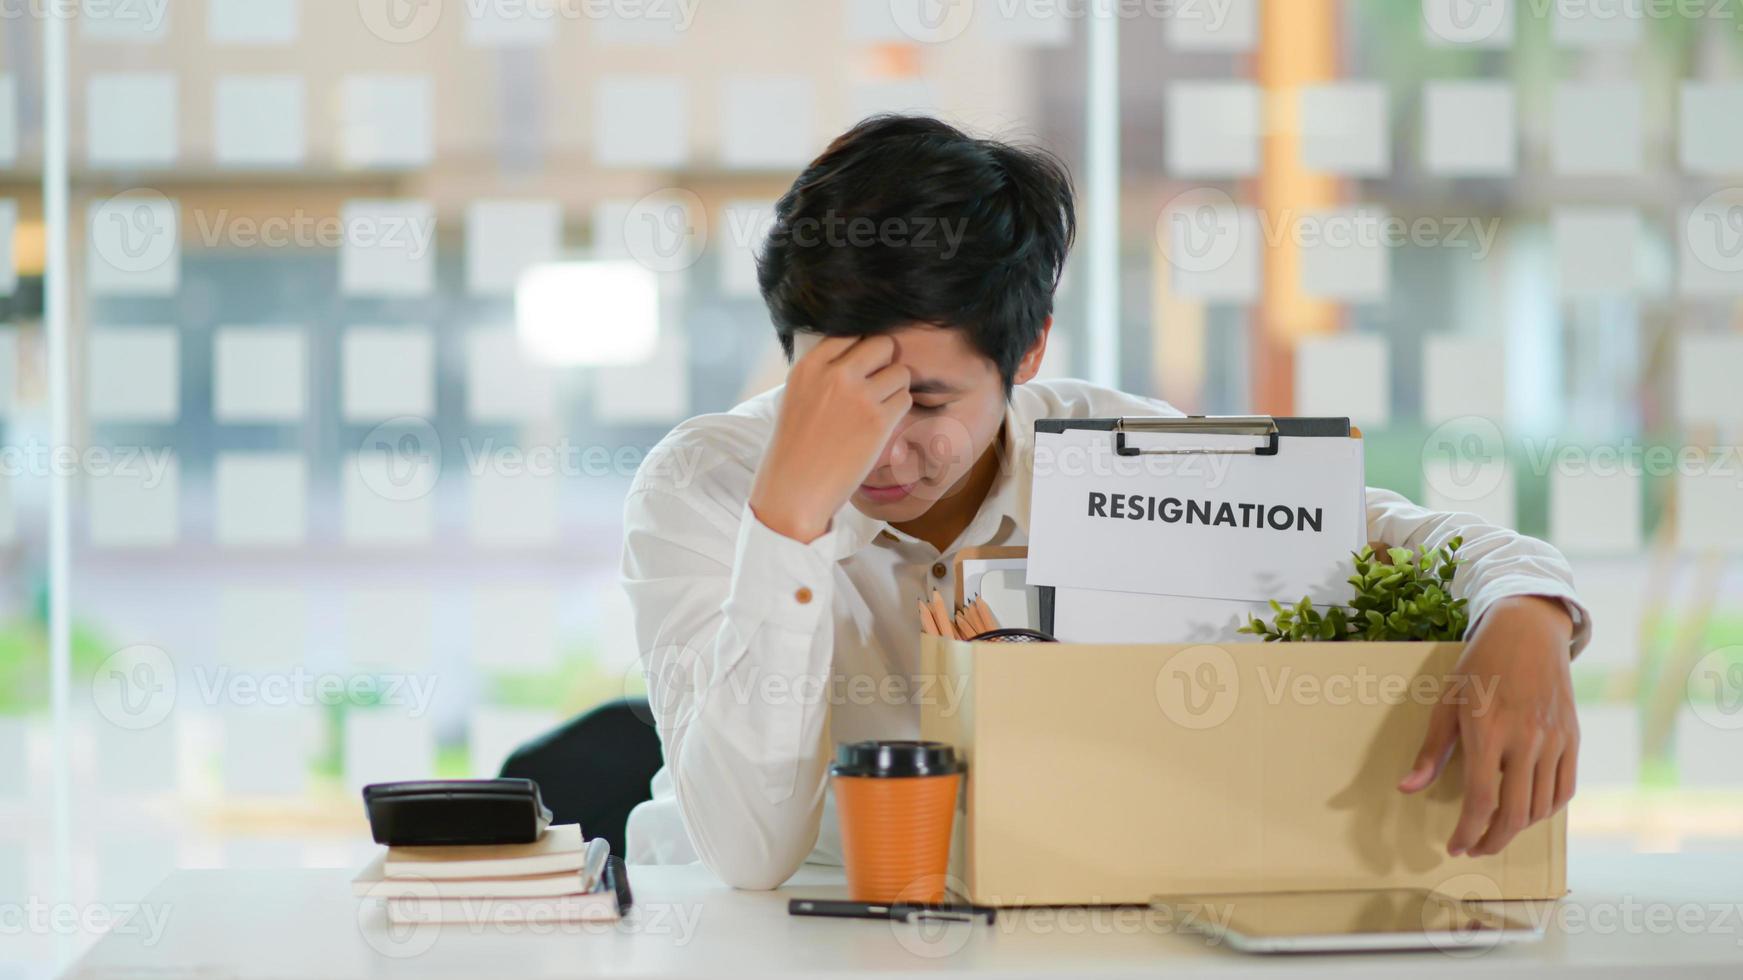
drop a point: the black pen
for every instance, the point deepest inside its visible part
(617, 879)
(895, 911)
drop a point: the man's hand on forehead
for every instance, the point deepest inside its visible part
(844, 398)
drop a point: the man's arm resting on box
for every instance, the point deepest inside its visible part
(734, 626)
(1509, 703)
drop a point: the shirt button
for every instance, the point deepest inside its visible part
(803, 595)
(938, 570)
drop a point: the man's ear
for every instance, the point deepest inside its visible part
(1030, 365)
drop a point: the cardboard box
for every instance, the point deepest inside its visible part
(1106, 774)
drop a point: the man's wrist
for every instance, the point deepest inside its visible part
(1539, 611)
(787, 525)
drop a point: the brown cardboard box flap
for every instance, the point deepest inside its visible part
(1105, 774)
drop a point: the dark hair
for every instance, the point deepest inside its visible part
(906, 219)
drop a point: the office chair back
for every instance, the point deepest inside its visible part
(595, 769)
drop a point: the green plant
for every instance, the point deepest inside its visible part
(1401, 595)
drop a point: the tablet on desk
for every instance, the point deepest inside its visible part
(1319, 922)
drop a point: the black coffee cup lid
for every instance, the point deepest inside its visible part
(895, 759)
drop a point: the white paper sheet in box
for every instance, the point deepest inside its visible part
(996, 574)
(1187, 526)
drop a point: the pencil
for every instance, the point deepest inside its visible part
(926, 623)
(967, 612)
(964, 628)
(987, 618)
(941, 615)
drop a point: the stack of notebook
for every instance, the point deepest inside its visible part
(557, 878)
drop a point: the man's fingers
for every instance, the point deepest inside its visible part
(1482, 796)
(1543, 784)
(1437, 747)
(830, 348)
(890, 379)
(1565, 771)
(1518, 776)
(867, 355)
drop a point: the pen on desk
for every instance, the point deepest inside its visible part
(598, 849)
(617, 879)
(895, 911)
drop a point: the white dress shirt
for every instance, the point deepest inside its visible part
(763, 653)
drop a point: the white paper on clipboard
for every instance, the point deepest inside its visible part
(1291, 519)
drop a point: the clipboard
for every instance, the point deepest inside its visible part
(1225, 498)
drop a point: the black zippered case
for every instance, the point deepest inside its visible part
(455, 811)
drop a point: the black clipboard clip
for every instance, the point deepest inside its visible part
(1227, 425)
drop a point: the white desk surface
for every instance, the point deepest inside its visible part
(1628, 916)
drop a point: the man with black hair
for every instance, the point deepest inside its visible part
(910, 274)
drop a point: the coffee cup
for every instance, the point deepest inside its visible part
(896, 801)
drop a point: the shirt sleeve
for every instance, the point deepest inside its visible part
(1498, 562)
(732, 623)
